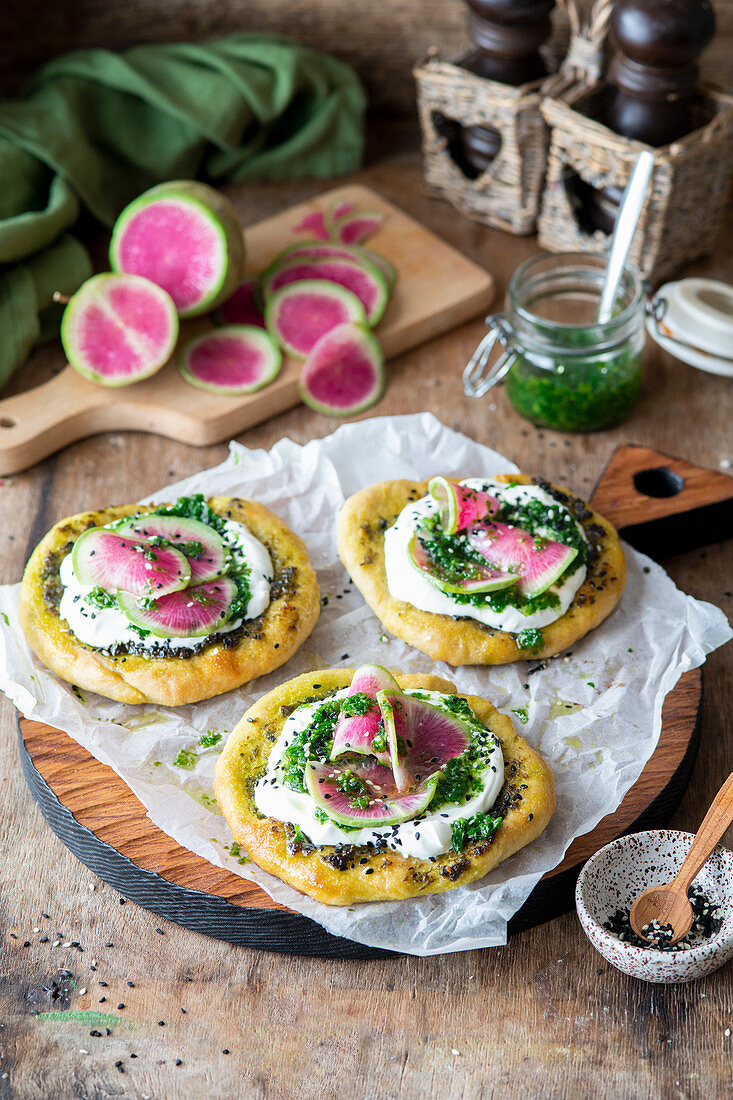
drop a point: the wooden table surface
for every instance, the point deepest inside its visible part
(544, 1016)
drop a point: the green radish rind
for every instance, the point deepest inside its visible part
(258, 336)
(367, 342)
(329, 250)
(363, 264)
(217, 210)
(135, 552)
(150, 618)
(341, 224)
(493, 579)
(214, 558)
(84, 298)
(399, 807)
(322, 287)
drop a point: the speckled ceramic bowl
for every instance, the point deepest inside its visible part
(614, 877)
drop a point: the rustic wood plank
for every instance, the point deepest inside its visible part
(545, 1016)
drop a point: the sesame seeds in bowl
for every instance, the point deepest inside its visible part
(613, 878)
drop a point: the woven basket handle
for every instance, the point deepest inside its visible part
(586, 52)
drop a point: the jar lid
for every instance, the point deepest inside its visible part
(693, 320)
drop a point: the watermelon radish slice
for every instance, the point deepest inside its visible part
(344, 372)
(356, 732)
(336, 212)
(119, 329)
(538, 563)
(355, 228)
(299, 314)
(192, 613)
(233, 359)
(461, 507)
(187, 238)
(364, 793)
(321, 249)
(204, 550)
(362, 278)
(243, 308)
(479, 578)
(111, 561)
(421, 738)
(315, 224)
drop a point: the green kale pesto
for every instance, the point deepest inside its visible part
(579, 394)
(193, 507)
(465, 830)
(459, 780)
(530, 638)
(455, 559)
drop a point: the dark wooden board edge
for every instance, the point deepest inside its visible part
(279, 930)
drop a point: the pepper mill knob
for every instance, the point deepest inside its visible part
(507, 34)
(653, 71)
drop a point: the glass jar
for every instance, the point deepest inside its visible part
(561, 367)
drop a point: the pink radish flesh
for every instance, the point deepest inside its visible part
(344, 372)
(301, 313)
(313, 223)
(369, 288)
(241, 308)
(356, 732)
(175, 246)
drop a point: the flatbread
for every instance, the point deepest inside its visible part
(259, 646)
(346, 874)
(361, 525)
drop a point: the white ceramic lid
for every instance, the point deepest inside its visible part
(695, 323)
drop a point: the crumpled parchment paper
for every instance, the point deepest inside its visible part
(594, 714)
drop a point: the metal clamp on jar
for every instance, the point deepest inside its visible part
(563, 368)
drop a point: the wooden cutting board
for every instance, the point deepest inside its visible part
(437, 288)
(99, 818)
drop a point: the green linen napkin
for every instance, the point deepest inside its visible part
(93, 129)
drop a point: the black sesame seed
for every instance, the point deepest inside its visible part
(120, 1005)
(131, 985)
(179, 1061)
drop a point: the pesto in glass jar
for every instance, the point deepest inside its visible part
(562, 368)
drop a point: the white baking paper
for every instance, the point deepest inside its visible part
(594, 714)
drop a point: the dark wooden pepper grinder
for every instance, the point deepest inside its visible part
(507, 34)
(652, 85)
(653, 73)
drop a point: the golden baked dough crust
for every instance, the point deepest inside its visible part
(266, 642)
(361, 525)
(347, 874)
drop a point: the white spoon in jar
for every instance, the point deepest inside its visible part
(624, 230)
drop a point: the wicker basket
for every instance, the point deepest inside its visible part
(507, 194)
(691, 181)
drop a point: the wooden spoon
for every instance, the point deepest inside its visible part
(669, 904)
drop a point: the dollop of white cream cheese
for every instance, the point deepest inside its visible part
(109, 626)
(407, 584)
(429, 835)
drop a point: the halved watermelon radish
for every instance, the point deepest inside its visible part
(104, 558)
(356, 732)
(119, 329)
(478, 578)
(299, 314)
(187, 238)
(313, 223)
(537, 562)
(192, 613)
(243, 307)
(204, 549)
(362, 278)
(421, 737)
(344, 372)
(232, 359)
(364, 793)
(357, 227)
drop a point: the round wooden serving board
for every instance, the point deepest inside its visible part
(648, 495)
(98, 817)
